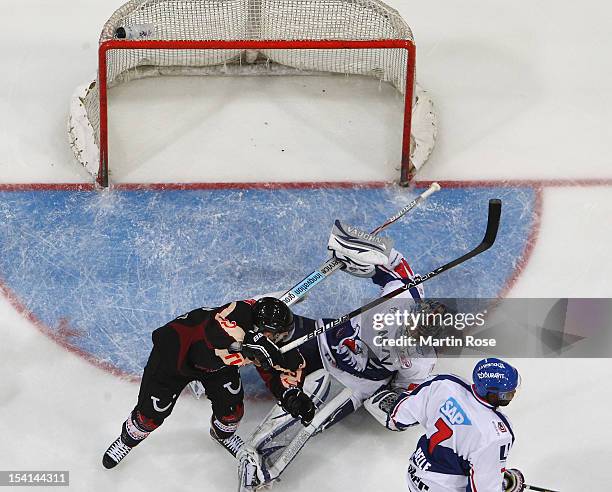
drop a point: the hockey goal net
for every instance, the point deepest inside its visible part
(147, 38)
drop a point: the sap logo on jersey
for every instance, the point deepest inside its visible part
(454, 413)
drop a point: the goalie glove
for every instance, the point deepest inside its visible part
(514, 481)
(298, 404)
(359, 251)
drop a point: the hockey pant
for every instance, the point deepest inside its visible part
(159, 391)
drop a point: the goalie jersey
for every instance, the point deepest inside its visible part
(353, 354)
(466, 443)
(349, 351)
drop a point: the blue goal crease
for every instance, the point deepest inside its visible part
(114, 266)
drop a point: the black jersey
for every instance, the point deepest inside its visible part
(278, 381)
(199, 342)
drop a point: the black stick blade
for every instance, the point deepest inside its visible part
(493, 220)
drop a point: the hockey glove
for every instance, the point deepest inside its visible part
(358, 251)
(514, 481)
(260, 349)
(298, 404)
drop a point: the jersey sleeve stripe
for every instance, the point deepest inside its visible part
(443, 377)
(403, 268)
(472, 484)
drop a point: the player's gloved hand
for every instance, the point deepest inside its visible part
(514, 481)
(260, 349)
(298, 404)
(358, 251)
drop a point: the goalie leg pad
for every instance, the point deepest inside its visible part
(279, 437)
(324, 413)
(381, 404)
(316, 385)
(251, 470)
(346, 408)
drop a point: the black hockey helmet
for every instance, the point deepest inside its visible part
(273, 315)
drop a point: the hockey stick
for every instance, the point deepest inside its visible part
(487, 242)
(300, 289)
(539, 489)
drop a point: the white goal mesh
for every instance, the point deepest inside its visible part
(147, 38)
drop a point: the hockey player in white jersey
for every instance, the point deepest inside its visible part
(467, 438)
(350, 352)
(347, 354)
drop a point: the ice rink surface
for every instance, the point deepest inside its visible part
(524, 101)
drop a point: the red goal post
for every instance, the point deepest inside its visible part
(359, 47)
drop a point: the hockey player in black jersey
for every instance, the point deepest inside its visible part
(209, 345)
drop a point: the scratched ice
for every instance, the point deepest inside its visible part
(102, 271)
(119, 264)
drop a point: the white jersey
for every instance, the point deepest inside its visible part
(466, 443)
(350, 354)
